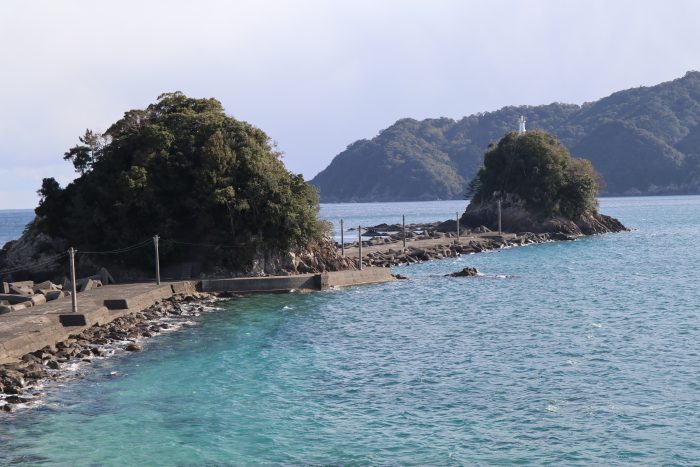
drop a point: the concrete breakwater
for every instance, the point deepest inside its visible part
(21, 383)
(38, 341)
(29, 329)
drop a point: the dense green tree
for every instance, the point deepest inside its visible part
(183, 169)
(539, 171)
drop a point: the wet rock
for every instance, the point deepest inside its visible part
(133, 347)
(12, 390)
(16, 399)
(8, 408)
(466, 272)
(53, 364)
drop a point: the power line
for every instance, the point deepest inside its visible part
(212, 245)
(44, 262)
(118, 250)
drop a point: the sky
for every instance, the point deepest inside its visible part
(315, 75)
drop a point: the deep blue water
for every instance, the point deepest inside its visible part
(581, 352)
(13, 222)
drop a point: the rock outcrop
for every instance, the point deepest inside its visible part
(466, 272)
(515, 218)
(324, 256)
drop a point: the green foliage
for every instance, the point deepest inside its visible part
(185, 170)
(84, 155)
(640, 141)
(539, 170)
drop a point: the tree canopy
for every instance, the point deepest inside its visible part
(540, 172)
(185, 170)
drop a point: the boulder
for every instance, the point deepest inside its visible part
(133, 347)
(466, 272)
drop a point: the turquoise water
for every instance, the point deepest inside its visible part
(580, 352)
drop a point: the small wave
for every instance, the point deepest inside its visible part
(503, 276)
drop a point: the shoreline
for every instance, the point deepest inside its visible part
(22, 383)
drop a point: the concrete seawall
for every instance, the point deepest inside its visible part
(320, 281)
(34, 328)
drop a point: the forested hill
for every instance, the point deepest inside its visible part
(642, 141)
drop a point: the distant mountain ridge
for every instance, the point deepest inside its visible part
(642, 140)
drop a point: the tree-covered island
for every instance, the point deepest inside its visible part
(212, 187)
(540, 188)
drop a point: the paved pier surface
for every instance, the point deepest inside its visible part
(34, 328)
(31, 329)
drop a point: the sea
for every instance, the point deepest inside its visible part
(571, 353)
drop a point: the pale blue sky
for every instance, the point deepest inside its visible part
(315, 75)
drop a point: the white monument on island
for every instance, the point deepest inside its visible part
(521, 126)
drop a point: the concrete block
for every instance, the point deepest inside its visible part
(4, 287)
(38, 299)
(53, 294)
(73, 319)
(27, 284)
(20, 306)
(19, 290)
(116, 304)
(105, 277)
(13, 298)
(87, 285)
(46, 285)
(5, 309)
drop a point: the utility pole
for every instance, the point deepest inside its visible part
(74, 291)
(155, 244)
(342, 237)
(499, 217)
(404, 231)
(457, 217)
(359, 243)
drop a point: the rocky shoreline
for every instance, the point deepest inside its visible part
(21, 383)
(412, 254)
